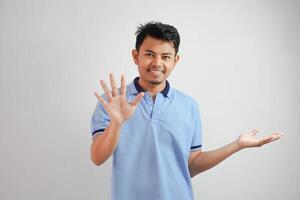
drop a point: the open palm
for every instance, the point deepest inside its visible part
(247, 140)
(117, 107)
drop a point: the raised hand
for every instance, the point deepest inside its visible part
(247, 140)
(117, 107)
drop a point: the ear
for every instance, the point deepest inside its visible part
(135, 56)
(176, 59)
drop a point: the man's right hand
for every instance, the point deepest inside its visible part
(117, 107)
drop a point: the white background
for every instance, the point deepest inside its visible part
(239, 60)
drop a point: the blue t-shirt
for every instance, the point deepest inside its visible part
(151, 158)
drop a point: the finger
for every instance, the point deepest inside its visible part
(280, 134)
(254, 132)
(113, 85)
(276, 136)
(137, 99)
(101, 100)
(123, 86)
(106, 90)
(269, 138)
(266, 138)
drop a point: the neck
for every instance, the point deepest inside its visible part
(153, 89)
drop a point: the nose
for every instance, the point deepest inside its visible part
(156, 62)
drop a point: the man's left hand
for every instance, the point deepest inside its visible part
(248, 140)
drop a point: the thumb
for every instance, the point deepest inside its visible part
(137, 99)
(254, 132)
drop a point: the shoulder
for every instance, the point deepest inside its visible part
(185, 98)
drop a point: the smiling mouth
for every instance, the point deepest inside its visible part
(155, 72)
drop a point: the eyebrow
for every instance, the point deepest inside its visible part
(156, 53)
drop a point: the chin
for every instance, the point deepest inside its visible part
(155, 82)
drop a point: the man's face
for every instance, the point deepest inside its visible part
(155, 60)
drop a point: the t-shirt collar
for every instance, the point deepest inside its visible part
(165, 91)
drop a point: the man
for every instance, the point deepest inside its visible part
(155, 139)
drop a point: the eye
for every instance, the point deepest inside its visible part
(166, 57)
(149, 55)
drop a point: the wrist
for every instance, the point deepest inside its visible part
(238, 146)
(117, 123)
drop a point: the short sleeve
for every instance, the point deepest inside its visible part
(197, 130)
(100, 120)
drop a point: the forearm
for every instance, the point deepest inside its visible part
(103, 146)
(206, 160)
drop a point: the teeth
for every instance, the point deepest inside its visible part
(153, 70)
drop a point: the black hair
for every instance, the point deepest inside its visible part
(157, 30)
